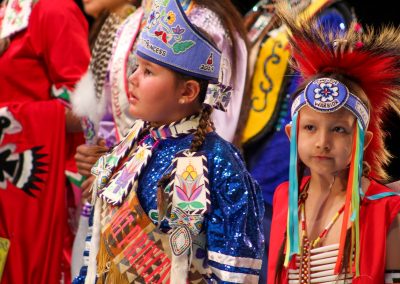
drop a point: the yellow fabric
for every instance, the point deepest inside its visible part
(4, 247)
(269, 71)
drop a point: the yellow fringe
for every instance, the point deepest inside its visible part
(107, 270)
(102, 259)
(114, 275)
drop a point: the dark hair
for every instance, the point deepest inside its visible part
(204, 123)
(205, 113)
(201, 131)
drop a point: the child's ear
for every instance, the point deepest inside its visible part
(191, 91)
(368, 138)
(288, 129)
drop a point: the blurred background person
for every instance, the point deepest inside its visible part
(91, 101)
(44, 52)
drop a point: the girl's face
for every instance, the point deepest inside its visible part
(155, 94)
(95, 7)
(325, 140)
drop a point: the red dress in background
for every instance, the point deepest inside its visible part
(34, 147)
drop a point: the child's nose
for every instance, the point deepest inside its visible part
(133, 77)
(323, 140)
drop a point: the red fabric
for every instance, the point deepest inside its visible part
(52, 51)
(36, 225)
(375, 219)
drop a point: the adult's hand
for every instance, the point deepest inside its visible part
(4, 43)
(86, 186)
(87, 155)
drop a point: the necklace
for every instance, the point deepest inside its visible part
(307, 244)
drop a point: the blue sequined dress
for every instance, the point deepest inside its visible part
(233, 227)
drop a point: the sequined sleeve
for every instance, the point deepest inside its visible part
(234, 232)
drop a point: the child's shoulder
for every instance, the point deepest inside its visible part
(223, 154)
(218, 146)
(381, 193)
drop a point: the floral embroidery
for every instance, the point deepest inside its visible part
(189, 189)
(171, 36)
(153, 19)
(171, 17)
(178, 30)
(326, 92)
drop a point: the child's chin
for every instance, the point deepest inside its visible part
(133, 111)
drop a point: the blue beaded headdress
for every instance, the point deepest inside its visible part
(329, 95)
(170, 40)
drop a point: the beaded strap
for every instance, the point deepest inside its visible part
(307, 244)
(176, 129)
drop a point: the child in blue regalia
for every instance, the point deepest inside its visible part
(173, 201)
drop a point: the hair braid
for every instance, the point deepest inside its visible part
(201, 131)
(204, 124)
(197, 141)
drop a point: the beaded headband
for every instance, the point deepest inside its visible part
(329, 95)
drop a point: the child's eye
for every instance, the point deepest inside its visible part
(147, 72)
(339, 129)
(309, 127)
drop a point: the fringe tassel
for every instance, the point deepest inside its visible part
(107, 270)
(347, 209)
(352, 207)
(292, 240)
(115, 276)
(102, 260)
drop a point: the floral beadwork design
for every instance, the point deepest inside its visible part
(189, 189)
(161, 25)
(326, 92)
(171, 17)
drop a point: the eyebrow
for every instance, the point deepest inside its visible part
(311, 119)
(144, 62)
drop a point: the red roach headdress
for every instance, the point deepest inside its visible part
(369, 59)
